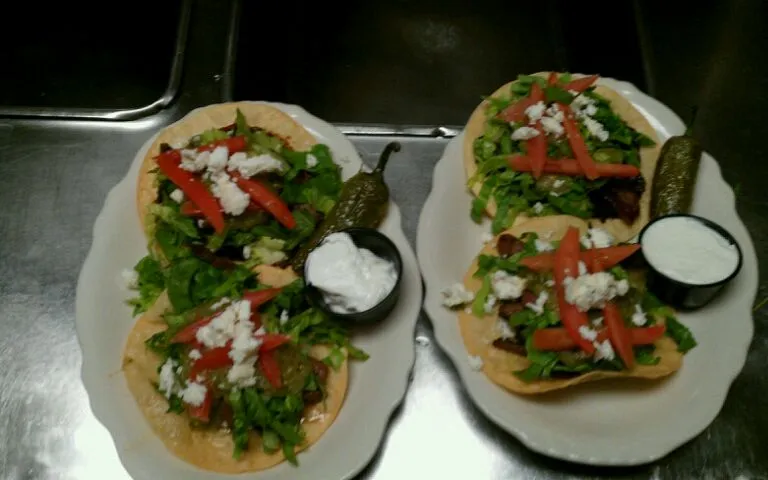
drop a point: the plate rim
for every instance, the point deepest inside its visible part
(663, 116)
(402, 335)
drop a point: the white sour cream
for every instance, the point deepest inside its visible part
(351, 279)
(688, 251)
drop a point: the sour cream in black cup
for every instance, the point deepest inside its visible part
(690, 259)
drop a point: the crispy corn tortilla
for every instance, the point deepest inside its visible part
(212, 450)
(220, 115)
(648, 157)
(499, 365)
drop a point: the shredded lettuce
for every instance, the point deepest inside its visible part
(151, 283)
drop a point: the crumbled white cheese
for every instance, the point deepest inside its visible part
(242, 374)
(552, 126)
(195, 354)
(524, 133)
(597, 322)
(193, 394)
(219, 330)
(218, 160)
(177, 196)
(601, 238)
(588, 333)
(552, 193)
(200, 223)
(247, 252)
(574, 93)
(597, 238)
(475, 363)
(543, 246)
(487, 237)
(535, 112)
(550, 283)
(179, 143)
(233, 200)
(538, 305)
(490, 302)
(558, 183)
(582, 268)
(503, 329)
(595, 128)
(593, 290)
(506, 286)
(456, 295)
(130, 278)
(604, 350)
(580, 101)
(311, 161)
(284, 317)
(222, 302)
(639, 318)
(538, 207)
(194, 161)
(166, 378)
(555, 113)
(249, 167)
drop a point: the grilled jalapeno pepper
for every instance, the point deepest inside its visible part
(363, 202)
(675, 177)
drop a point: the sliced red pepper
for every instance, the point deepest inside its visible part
(260, 297)
(578, 146)
(552, 79)
(233, 144)
(618, 333)
(202, 412)
(257, 298)
(571, 167)
(608, 257)
(212, 359)
(268, 199)
(270, 368)
(537, 151)
(192, 187)
(567, 265)
(558, 339)
(516, 111)
(581, 84)
(271, 341)
(189, 209)
(188, 334)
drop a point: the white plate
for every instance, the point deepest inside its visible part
(376, 386)
(617, 423)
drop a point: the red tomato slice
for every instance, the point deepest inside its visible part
(567, 265)
(270, 368)
(552, 79)
(271, 341)
(203, 411)
(233, 144)
(260, 297)
(537, 151)
(618, 334)
(212, 359)
(577, 143)
(516, 111)
(581, 84)
(571, 167)
(268, 199)
(558, 339)
(608, 257)
(192, 187)
(188, 334)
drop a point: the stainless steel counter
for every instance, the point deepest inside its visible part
(54, 177)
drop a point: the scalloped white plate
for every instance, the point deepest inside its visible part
(604, 423)
(376, 387)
